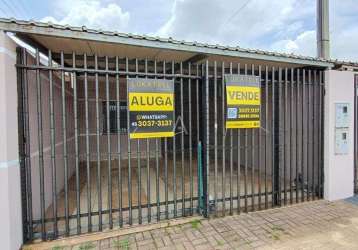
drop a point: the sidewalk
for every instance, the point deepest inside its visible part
(309, 225)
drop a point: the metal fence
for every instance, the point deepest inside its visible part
(82, 173)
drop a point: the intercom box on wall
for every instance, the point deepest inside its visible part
(342, 128)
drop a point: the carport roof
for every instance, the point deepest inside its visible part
(84, 40)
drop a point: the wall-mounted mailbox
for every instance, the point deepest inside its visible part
(342, 115)
(342, 135)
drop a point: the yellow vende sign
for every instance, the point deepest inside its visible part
(150, 107)
(243, 99)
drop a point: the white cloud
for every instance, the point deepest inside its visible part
(304, 44)
(280, 25)
(92, 13)
(213, 21)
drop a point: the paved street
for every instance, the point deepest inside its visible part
(310, 225)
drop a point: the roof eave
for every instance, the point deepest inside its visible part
(117, 39)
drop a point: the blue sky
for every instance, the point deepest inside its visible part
(277, 25)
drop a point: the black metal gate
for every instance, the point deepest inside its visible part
(82, 173)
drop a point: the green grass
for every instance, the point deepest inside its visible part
(87, 246)
(220, 242)
(121, 244)
(195, 224)
(276, 232)
(58, 248)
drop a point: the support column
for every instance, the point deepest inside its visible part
(10, 184)
(338, 154)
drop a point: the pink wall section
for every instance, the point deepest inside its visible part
(45, 88)
(10, 193)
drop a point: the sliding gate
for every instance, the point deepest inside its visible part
(82, 173)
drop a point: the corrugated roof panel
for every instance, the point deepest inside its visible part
(253, 52)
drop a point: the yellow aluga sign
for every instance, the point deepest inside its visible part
(150, 107)
(243, 101)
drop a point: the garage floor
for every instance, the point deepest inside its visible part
(149, 196)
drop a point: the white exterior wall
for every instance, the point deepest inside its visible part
(338, 169)
(10, 191)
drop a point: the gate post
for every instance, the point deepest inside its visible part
(338, 134)
(10, 183)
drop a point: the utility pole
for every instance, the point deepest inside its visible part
(323, 45)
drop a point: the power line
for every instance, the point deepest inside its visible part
(20, 7)
(238, 11)
(10, 8)
(3, 11)
(29, 12)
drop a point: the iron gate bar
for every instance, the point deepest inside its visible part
(252, 155)
(139, 168)
(231, 159)
(223, 186)
(297, 132)
(120, 195)
(323, 92)
(89, 207)
(190, 144)
(182, 140)
(78, 212)
(215, 138)
(174, 155)
(285, 139)
(355, 136)
(303, 135)
(279, 144)
(266, 131)
(166, 164)
(314, 87)
(40, 146)
(197, 130)
(273, 137)
(53, 153)
(308, 139)
(157, 161)
(291, 131)
(207, 141)
(149, 209)
(129, 153)
(259, 141)
(22, 123)
(246, 158)
(27, 147)
(99, 179)
(238, 184)
(64, 131)
(109, 185)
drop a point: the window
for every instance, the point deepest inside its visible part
(113, 117)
